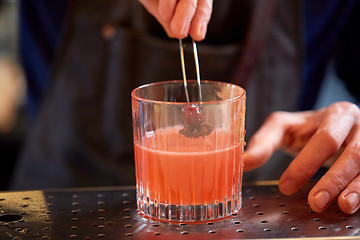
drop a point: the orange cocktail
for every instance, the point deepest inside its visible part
(174, 174)
(187, 173)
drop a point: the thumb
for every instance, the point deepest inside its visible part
(265, 141)
(258, 152)
(254, 158)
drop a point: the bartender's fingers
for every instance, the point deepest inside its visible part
(338, 120)
(343, 175)
(349, 199)
(201, 20)
(183, 15)
(153, 7)
(167, 10)
(266, 140)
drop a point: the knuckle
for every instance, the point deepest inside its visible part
(354, 151)
(336, 181)
(330, 137)
(207, 3)
(192, 4)
(205, 10)
(345, 107)
(353, 108)
(278, 116)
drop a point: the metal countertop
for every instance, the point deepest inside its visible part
(110, 213)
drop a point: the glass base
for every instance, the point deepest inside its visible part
(189, 213)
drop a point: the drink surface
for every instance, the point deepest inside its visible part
(174, 169)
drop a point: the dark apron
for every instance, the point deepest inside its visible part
(83, 134)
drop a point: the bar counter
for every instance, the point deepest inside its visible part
(110, 213)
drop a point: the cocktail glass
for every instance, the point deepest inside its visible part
(188, 155)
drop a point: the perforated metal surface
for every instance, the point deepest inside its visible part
(110, 213)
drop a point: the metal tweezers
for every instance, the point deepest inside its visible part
(196, 58)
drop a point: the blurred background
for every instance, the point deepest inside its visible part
(12, 91)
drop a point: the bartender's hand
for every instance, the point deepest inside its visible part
(316, 136)
(180, 18)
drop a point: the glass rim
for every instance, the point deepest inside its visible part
(140, 99)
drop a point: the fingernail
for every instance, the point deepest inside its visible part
(185, 29)
(353, 200)
(322, 199)
(202, 30)
(288, 187)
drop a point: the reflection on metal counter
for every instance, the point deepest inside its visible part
(110, 213)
